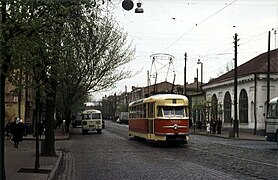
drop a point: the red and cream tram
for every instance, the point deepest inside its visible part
(160, 118)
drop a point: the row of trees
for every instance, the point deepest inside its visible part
(65, 49)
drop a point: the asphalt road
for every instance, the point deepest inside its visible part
(113, 155)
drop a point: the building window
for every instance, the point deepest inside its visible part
(243, 106)
(227, 108)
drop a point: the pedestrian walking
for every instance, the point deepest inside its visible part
(59, 121)
(18, 132)
(213, 124)
(8, 130)
(219, 126)
(199, 125)
(41, 129)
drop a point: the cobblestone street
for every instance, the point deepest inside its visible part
(112, 155)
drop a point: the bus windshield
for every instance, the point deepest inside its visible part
(273, 111)
(91, 116)
(169, 111)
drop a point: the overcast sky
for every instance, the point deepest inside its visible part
(204, 29)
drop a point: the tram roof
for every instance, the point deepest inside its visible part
(159, 97)
(274, 100)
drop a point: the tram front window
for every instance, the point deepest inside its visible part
(166, 111)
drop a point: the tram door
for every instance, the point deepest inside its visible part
(151, 115)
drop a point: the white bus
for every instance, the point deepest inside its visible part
(91, 121)
(271, 123)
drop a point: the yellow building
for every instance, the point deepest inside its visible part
(18, 103)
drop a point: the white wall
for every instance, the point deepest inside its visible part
(248, 84)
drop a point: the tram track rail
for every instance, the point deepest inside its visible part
(240, 164)
(238, 158)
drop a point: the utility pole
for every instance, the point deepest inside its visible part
(184, 85)
(235, 129)
(268, 72)
(275, 39)
(115, 106)
(126, 98)
(197, 81)
(148, 81)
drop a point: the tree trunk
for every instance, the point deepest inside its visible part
(36, 116)
(49, 120)
(2, 124)
(4, 59)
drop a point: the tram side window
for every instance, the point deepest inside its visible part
(140, 111)
(151, 110)
(131, 113)
(137, 111)
(144, 110)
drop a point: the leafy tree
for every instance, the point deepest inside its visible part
(66, 45)
(228, 67)
(95, 50)
(13, 16)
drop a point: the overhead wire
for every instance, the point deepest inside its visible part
(221, 47)
(197, 24)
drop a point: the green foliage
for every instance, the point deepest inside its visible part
(72, 42)
(94, 51)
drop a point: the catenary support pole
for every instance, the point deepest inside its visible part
(236, 128)
(184, 85)
(268, 71)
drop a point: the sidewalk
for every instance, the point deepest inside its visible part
(20, 161)
(227, 133)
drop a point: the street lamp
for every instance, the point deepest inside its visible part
(128, 5)
(199, 62)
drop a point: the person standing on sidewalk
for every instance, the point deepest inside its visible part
(208, 128)
(18, 132)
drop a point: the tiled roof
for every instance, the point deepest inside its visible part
(257, 65)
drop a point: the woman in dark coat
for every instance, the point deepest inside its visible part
(18, 132)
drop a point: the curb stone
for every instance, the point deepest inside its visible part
(54, 171)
